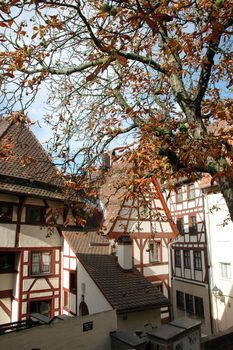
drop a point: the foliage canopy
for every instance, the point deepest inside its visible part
(159, 71)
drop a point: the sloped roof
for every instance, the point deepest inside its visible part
(125, 290)
(112, 193)
(29, 163)
(86, 242)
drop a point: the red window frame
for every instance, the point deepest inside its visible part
(41, 272)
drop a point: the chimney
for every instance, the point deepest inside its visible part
(124, 252)
(106, 161)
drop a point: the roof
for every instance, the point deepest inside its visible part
(86, 242)
(112, 194)
(29, 163)
(126, 291)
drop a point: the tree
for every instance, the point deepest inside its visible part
(159, 71)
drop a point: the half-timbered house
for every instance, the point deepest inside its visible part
(189, 255)
(95, 280)
(30, 242)
(147, 220)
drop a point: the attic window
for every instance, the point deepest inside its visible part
(35, 215)
(6, 210)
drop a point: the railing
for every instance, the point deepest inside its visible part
(17, 326)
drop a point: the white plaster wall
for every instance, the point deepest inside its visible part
(7, 235)
(7, 281)
(136, 253)
(14, 312)
(195, 290)
(66, 334)
(35, 201)
(94, 298)
(4, 318)
(155, 270)
(36, 236)
(220, 239)
(66, 279)
(41, 295)
(66, 248)
(124, 256)
(136, 321)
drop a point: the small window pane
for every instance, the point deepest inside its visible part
(6, 212)
(187, 259)
(177, 258)
(199, 307)
(191, 191)
(189, 303)
(35, 215)
(180, 300)
(225, 270)
(154, 252)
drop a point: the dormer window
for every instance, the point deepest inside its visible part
(6, 210)
(35, 215)
(179, 195)
(154, 249)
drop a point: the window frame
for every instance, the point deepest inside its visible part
(199, 306)
(222, 276)
(38, 302)
(187, 260)
(73, 279)
(180, 300)
(197, 266)
(9, 206)
(191, 191)
(42, 218)
(189, 301)
(41, 273)
(179, 195)
(157, 245)
(193, 225)
(180, 225)
(11, 268)
(177, 257)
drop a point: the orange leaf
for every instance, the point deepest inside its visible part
(122, 60)
(3, 24)
(163, 17)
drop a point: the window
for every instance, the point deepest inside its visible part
(180, 225)
(41, 306)
(192, 225)
(6, 210)
(180, 300)
(191, 191)
(7, 262)
(35, 215)
(154, 251)
(41, 263)
(177, 258)
(199, 307)
(187, 259)
(189, 303)
(225, 270)
(197, 260)
(73, 282)
(179, 195)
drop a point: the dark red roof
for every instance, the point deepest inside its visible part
(126, 291)
(29, 168)
(86, 242)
